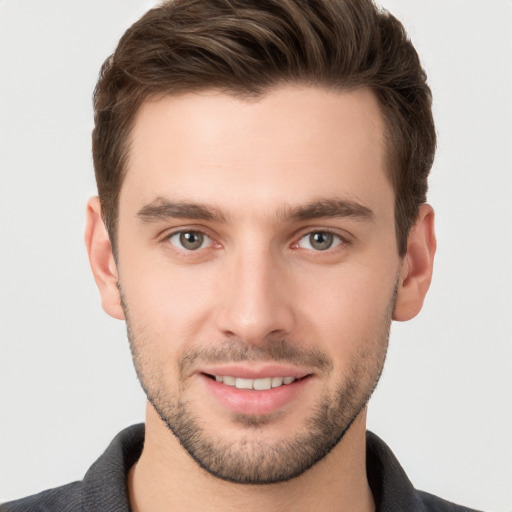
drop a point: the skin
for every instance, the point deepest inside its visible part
(256, 282)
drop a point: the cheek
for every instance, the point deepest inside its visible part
(165, 314)
(173, 302)
(350, 311)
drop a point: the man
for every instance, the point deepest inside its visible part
(261, 219)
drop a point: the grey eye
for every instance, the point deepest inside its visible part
(319, 241)
(189, 240)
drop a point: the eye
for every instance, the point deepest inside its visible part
(319, 241)
(190, 240)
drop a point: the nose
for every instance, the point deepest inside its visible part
(255, 298)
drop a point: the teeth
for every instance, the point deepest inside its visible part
(277, 381)
(262, 384)
(230, 381)
(258, 384)
(243, 383)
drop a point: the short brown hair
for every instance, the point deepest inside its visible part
(245, 47)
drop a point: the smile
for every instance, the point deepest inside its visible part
(255, 391)
(257, 384)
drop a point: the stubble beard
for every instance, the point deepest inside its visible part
(249, 460)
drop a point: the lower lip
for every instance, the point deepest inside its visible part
(253, 402)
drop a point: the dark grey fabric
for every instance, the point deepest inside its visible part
(103, 488)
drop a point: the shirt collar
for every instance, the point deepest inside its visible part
(105, 484)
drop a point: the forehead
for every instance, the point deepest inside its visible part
(291, 145)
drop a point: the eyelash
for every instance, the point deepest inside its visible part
(168, 238)
(338, 240)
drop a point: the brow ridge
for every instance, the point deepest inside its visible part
(162, 208)
(329, 208)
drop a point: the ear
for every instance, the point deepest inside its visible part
(416, 271)
(101, 258)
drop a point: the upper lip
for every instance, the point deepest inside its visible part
(254, 371)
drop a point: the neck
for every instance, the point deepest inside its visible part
(166, 478)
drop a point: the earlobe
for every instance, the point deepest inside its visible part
(416, 272)
(101, 259)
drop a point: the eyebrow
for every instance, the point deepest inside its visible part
(162, 209)
(328, 208)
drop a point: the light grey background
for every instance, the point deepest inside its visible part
(66, 380)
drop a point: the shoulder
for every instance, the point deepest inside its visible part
(392, 489)
(435, 504)
(66, 498)
(103, 486)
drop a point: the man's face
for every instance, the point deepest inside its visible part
(256, 246)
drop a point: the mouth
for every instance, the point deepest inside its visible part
(251, 392)
(261, 384)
